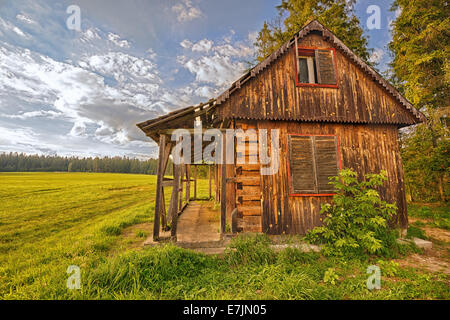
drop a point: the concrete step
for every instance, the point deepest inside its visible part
(420, 243)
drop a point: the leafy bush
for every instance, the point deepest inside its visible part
(356, 222)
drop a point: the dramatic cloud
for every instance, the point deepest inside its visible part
(218, 65)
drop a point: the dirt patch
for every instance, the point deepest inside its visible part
(136, 235)
(433, 232)
(436, 259)
(426, 262)
(437, 233)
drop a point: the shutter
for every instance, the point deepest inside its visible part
(327, 162)
(301, 161)
(325, 66)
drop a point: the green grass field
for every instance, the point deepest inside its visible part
(49, 221)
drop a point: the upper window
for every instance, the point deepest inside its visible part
(312, 161)
(316, 67)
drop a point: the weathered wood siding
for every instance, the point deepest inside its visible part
(273, 95)
(364, 148)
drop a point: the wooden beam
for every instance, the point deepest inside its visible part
(167, 151)
(159, 178)
(174, 201)
(195, 182)
(183, 166)
(188, 183)
(163, 211)
(223, 185)
(209, 178)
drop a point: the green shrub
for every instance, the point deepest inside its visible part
(355, 224)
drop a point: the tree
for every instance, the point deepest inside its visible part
(420, 43)
(338, 16)
(421, 69)
(426, 159)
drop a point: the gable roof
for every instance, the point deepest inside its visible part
(329, 36)
(151, 127)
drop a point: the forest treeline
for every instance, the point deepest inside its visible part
(20, 162)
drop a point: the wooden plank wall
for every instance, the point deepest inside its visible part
(273, 95)
(365, 148)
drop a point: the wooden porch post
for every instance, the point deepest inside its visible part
(223, 185)
(159, 180)
(209, 178)
(188, 183)
(195, 182)
(183, 166)
(174, 200)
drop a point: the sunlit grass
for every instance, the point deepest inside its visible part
(49, 221)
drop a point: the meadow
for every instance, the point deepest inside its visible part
(49, 221)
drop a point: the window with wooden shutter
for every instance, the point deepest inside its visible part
(312, 161)
(315, 67)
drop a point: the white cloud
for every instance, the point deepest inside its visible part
(7, 26)
(216, 69)
(377, 55)
(115, 38)
(79, 94)
(252, 36)
(25, 19)
(123, 67)
(206, 92)
(203, 45)
(186, 44)
(219, 65)
(50, 114)
(90, 34)
(186, 11)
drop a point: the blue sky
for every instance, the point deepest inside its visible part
(81, 93)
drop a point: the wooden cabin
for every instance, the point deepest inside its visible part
(332, 111)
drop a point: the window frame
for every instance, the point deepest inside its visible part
(291, 192)
(315, 85)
